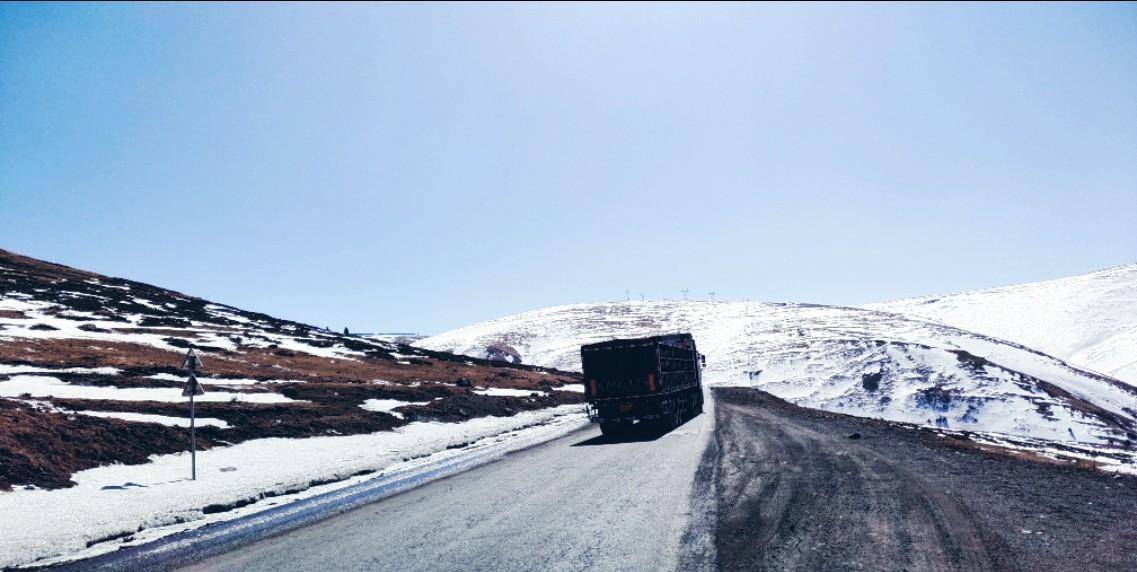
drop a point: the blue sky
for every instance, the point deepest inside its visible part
(422, 167)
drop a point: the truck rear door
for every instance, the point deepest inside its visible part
(620, 371)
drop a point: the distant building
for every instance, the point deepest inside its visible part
(502, 352)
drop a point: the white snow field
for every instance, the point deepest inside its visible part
(47, 386)
(850, 360)
(159, 419)
(157, 499)
(1088, 320)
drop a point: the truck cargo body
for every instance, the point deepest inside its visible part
(656, 380)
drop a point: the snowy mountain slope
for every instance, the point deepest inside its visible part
(1088, 320)
(93, 428)
(44, 302)
(73, 341)
(849, 360)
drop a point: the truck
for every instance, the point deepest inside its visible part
(654, 382)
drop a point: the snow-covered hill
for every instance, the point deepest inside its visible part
(109, 350)
(1088, 320)
(849, 360)
(93, 427)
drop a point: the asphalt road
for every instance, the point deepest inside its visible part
(797, 492)
(756, 483)
(579, 502)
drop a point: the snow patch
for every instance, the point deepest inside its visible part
(45, 386)
(116, 499)
(159, 419)
(387, 405)
(507, 392)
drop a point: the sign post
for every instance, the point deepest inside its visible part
(191, 365)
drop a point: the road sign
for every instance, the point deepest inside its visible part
(193, 387)
(191, 364)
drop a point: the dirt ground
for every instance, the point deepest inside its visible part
(268, 364)
(44, 448)
(801, 489)
(42, 442)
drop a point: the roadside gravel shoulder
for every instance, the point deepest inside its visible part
(795, 491)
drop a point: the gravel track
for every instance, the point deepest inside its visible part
(795, 492)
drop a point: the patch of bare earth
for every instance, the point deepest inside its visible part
(276, 363)
(329, 375)
(43, 448)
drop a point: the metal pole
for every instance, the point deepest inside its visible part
(193, 441)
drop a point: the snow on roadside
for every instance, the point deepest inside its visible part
(46, 386)
(160, 419)
(122, 499)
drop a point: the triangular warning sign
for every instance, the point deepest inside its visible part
(192, 362)
(193, 387)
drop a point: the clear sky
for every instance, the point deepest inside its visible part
(423, 167)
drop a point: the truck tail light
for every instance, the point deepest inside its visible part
(651, 382)
(592, 387)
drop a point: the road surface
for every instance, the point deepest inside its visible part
(755, 484)
(802, 489)
(579, 502)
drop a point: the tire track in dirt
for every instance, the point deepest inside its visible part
(795, 492)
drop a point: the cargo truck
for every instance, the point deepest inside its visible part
(654, 382)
